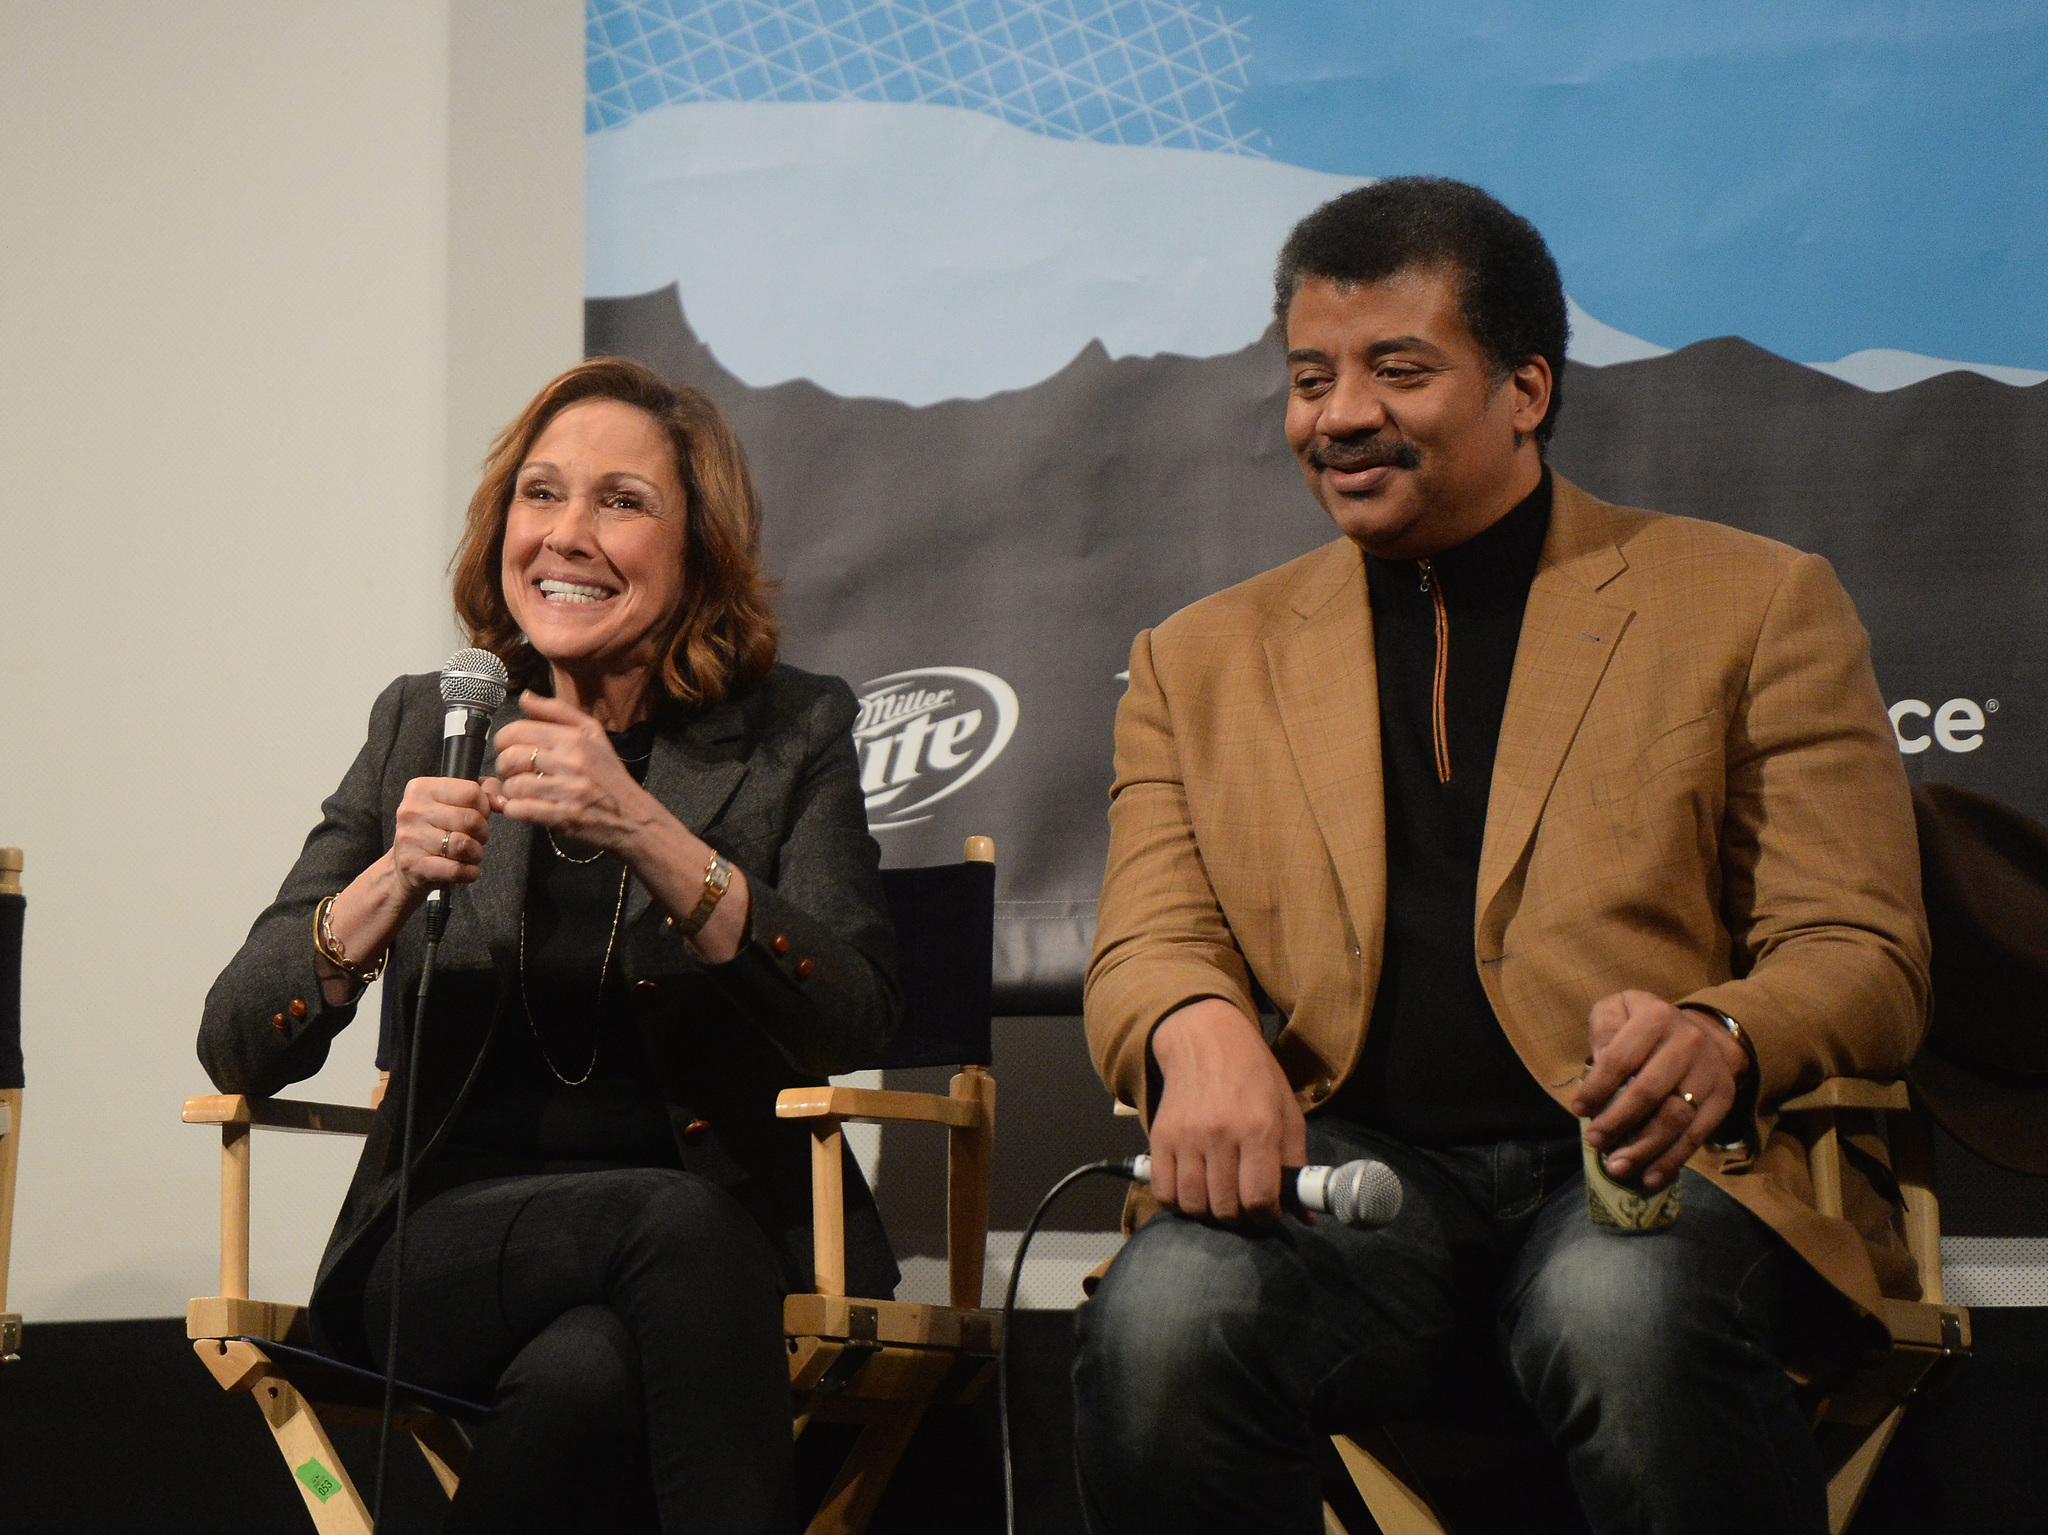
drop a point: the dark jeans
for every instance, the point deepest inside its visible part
(628, 1327)
(1211, 1361)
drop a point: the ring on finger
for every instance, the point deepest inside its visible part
(1688, 1099)
(533, 764)
(444, 843)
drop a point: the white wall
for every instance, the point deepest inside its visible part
(270, 275)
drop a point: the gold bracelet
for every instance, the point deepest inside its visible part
(329, 947)
(717, 879)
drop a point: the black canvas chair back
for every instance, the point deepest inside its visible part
(13, 907)
(945, 927)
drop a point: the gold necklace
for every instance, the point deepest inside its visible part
(603, 970)
(565, 857)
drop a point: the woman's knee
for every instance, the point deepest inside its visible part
(578, 1377)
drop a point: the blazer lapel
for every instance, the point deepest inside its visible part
(498, 895)
(1569, 634)
(694, 772)
(1327, 693)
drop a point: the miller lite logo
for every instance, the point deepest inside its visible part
(928, 733)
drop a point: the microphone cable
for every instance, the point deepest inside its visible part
(1121, 1167)
(437, 924)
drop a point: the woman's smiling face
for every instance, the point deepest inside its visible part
(595, 538)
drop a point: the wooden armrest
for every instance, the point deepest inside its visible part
(1850, 1093)
(279, 1114)
(877, 1105)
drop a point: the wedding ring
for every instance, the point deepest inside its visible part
(444, 843)
(533, 764)
(1688, 1099)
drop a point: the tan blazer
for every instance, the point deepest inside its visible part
(1696, 793)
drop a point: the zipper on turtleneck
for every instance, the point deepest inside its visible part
(1439, 726)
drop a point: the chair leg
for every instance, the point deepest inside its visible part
(1847, 1486)
(447, 1452)
(331, 1498)
(858, 1487)
(1397, 1506)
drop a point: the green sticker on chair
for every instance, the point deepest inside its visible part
(320, 1482)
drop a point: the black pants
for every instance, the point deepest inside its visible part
(628, 1327)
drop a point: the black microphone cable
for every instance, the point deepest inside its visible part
(1122, 1167)
(473, 685)
(437, 923)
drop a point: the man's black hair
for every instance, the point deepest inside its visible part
(1509, 292)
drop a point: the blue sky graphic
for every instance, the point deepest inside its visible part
(1819, 176)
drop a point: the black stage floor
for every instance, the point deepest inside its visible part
(115, 1427)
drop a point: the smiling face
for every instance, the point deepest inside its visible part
(594, 540)
(1406, 433)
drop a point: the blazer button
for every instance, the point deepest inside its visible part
(647, 988)
(695, 1131)
(803, 969)
(297, 1009)
(779, 943)
(277, 1022)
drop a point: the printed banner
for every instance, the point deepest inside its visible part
(986, 290)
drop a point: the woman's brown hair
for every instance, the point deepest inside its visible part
(725, 634)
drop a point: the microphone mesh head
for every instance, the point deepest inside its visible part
(1365, 1194)
(474, 679)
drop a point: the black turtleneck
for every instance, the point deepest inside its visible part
(1437, 1069)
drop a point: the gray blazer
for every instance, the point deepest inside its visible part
(770, 780)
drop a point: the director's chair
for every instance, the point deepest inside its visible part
(13, 906)
(1855, 1420)
(876, 1363)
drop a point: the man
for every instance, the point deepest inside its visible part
(1518, 807)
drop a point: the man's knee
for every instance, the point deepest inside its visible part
(1175, 1317)
(1635, 1317)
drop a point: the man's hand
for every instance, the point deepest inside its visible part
(1661, 1082)
(1227, 1120)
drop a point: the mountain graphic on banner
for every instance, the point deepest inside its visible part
(1028, 536)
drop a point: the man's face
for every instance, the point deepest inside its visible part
(1406, 435)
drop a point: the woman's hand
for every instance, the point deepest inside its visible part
(559, 771)
(443, 824)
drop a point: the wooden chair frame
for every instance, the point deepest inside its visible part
(876, 1363)
(10, 1153)
(1856, 1422)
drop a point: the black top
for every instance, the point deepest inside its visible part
(1437, 1070)
(566, 1085)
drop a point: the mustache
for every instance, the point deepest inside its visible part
(1355, 453)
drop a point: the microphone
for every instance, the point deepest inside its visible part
(473, 686)
(1360, 1194)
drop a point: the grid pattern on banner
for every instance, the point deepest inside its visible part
(1161, 72)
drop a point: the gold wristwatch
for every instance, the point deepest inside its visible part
(717, 879)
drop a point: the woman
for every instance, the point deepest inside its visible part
(664, 908)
